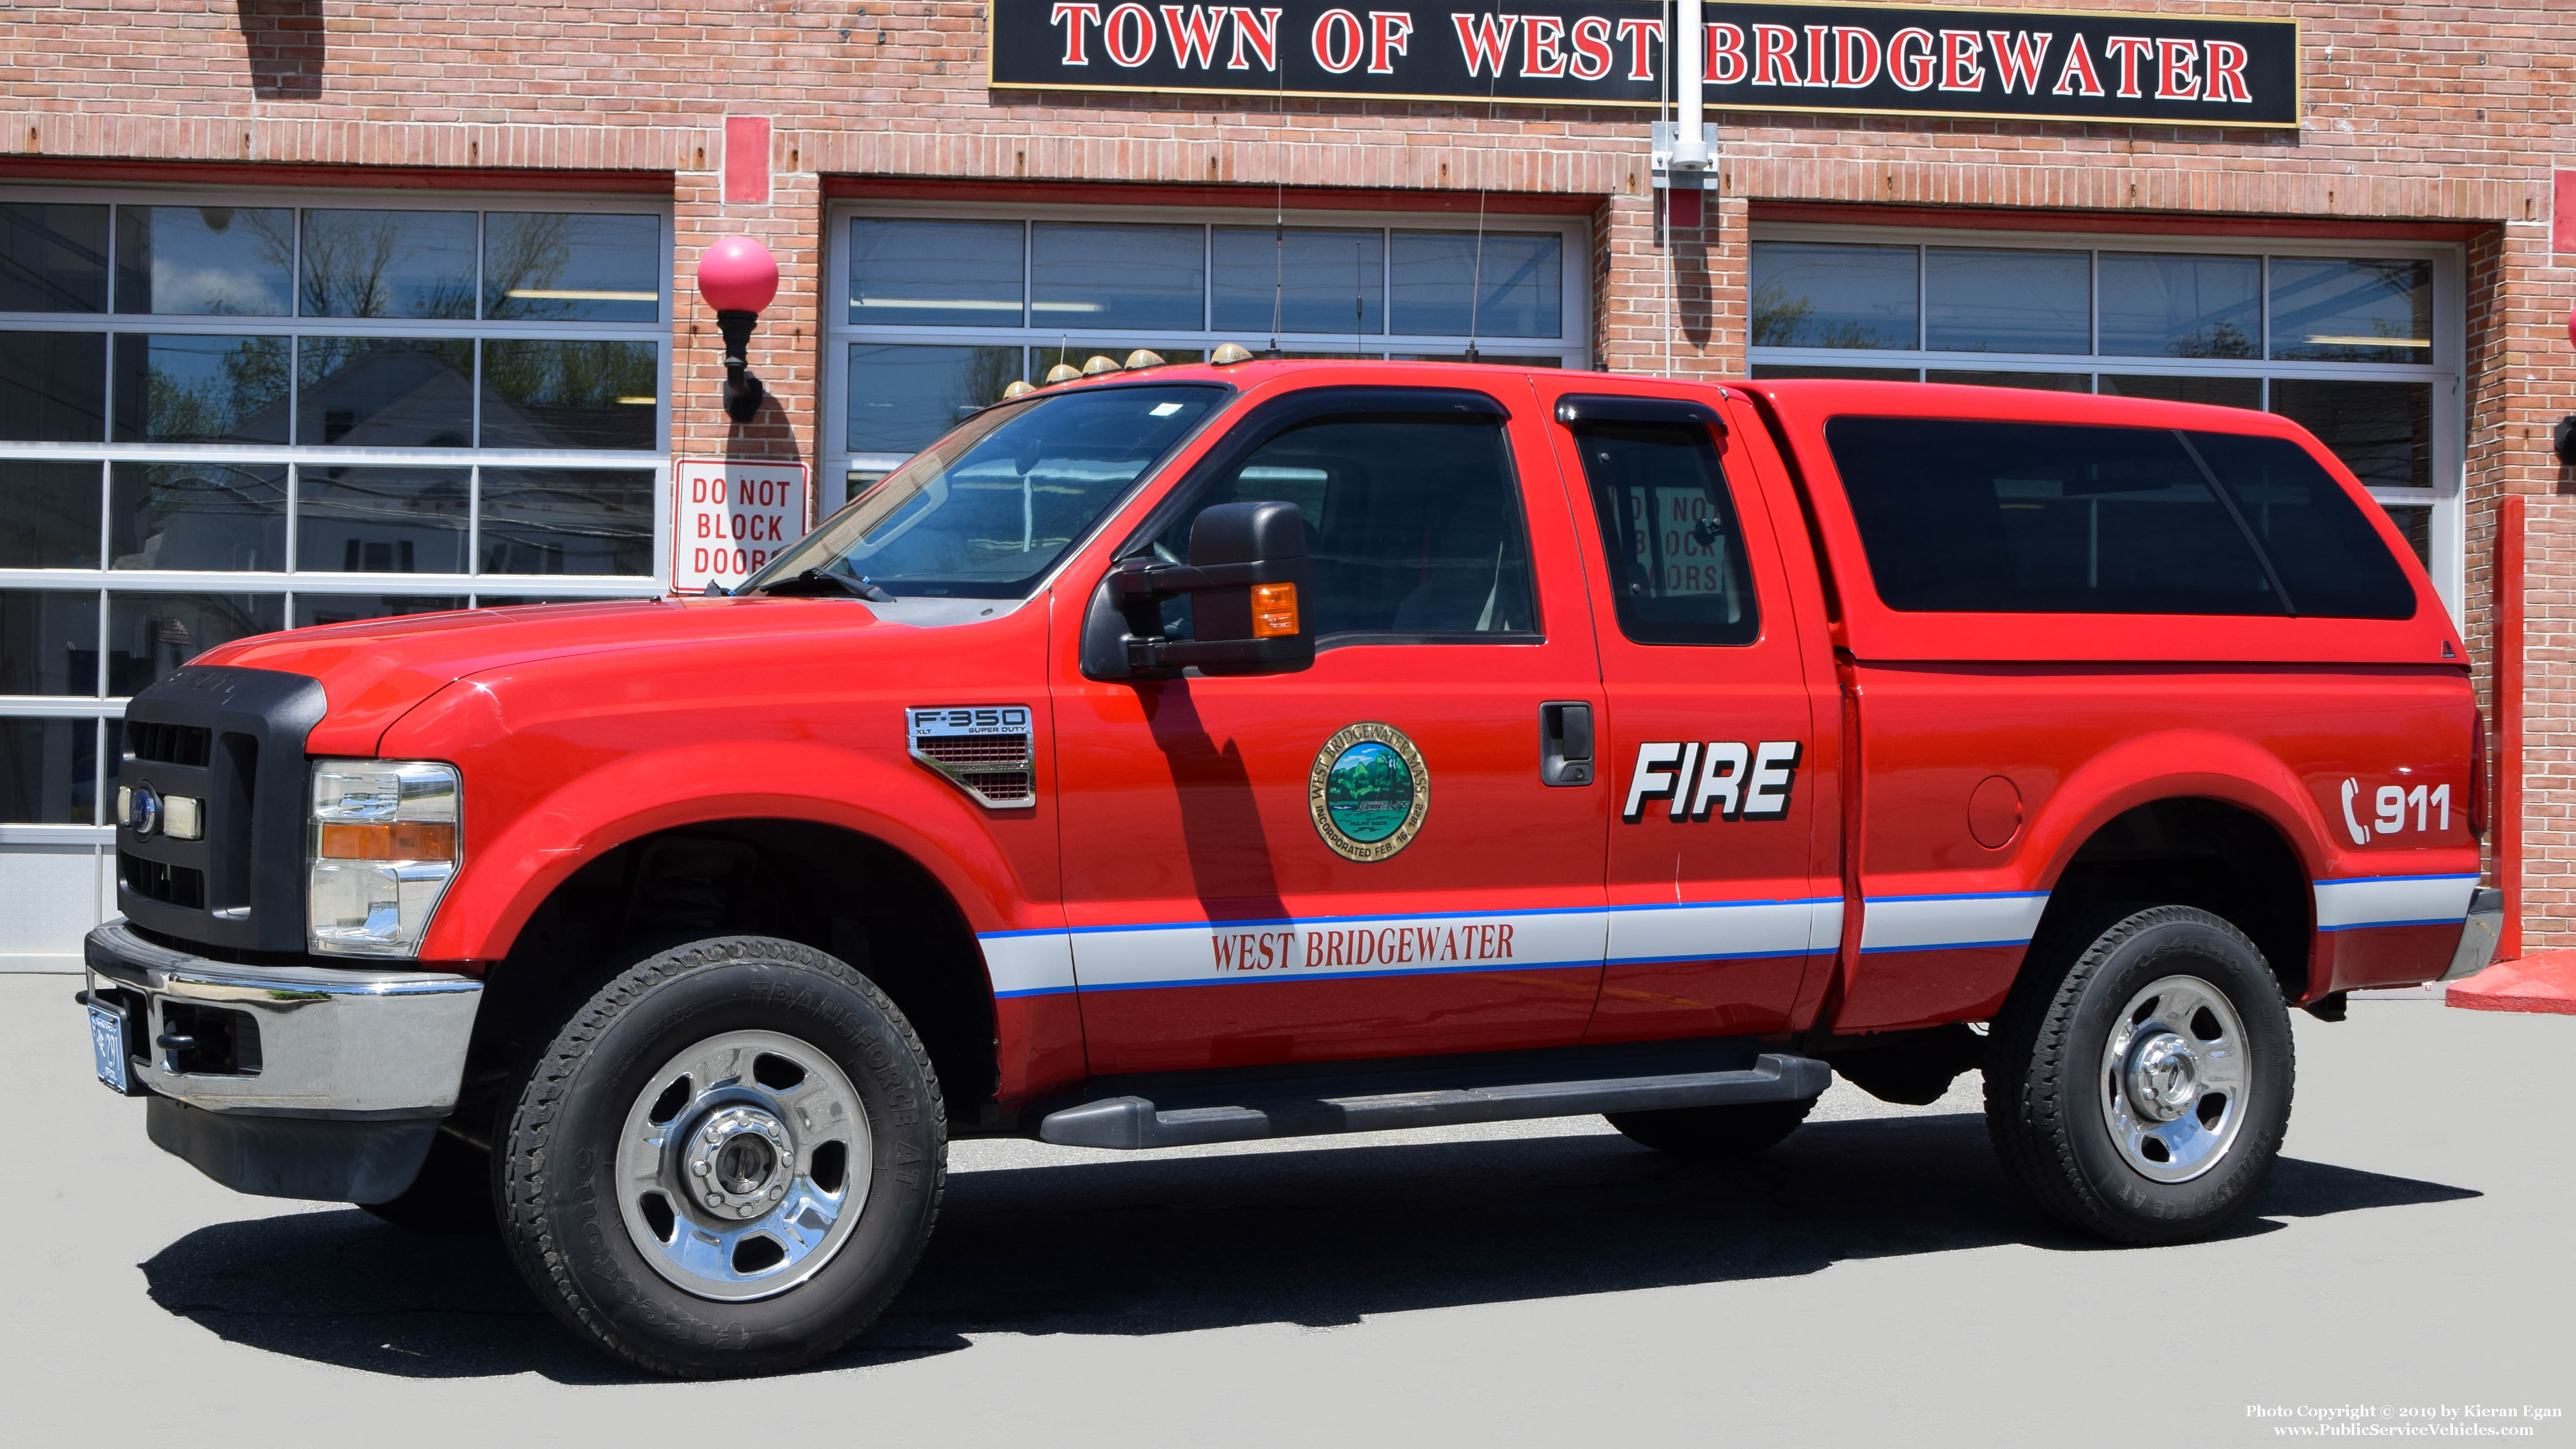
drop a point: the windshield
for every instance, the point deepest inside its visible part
(985, 512)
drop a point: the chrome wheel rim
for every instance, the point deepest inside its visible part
(743, 1165)
(2174, 1078)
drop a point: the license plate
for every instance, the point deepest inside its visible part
(107, 1043)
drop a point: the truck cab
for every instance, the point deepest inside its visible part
(1209, 753)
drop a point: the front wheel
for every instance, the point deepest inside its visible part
(2139, 1087)
(727, 1162)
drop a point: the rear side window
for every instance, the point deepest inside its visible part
(2331, 562)
(2033, 518)
(1676, 551)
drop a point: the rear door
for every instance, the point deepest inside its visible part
(1721, 900)
(1361, 859)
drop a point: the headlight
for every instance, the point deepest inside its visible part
(383, 848)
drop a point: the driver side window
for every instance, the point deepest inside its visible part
(1413, 525)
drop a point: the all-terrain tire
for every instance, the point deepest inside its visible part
(2063, 1076)
(1714, 1132)
(576, 1102)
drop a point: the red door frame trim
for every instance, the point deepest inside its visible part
(2507, 810)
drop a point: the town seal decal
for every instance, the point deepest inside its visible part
(1369, 791)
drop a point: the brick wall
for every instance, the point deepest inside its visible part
(2416, 113)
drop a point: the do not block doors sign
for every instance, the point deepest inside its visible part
(730, 519)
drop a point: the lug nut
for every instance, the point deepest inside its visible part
(699, 1167)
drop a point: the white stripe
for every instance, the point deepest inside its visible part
(1354, 946)
(1035, 961)
(2444, 898)
(1696, 932)
(1923, 923)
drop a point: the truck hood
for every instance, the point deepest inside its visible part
(374, 671)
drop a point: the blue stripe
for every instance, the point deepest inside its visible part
(1943, 946)
(1723, 956)
(1007, 935)
(1389, 916)
(2458, 920)
(1034, 991)
(1725, 905)
(1962, 896)
(1190, 981)
(2368, 879)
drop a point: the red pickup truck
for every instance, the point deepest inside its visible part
(1198, 754)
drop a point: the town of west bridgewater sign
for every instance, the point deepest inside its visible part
(2177, 69)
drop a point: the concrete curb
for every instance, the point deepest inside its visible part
(2543, 982)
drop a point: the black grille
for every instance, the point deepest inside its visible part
(170, 744)
(172, 885)
(205, 732)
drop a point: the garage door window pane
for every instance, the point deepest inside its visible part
(1823, 294)
(53, 387)
(2029, 381)
(903, 398)
(2383, 431)
(313, 609)
(148, 635)
(388, 264)
(225, 261)
(572, 267)
(2181, 306)
(1314, 277)
(2007, 301)
(196, 516)
(543, 394)
(381, 520)
(48, 641)
(2225, 392)
(2330, 310)
(1090, 277)
(2415, 521)
(191, 389)
(49, 515)
(48, 771)
(1443, 285)
(384, 392)
(53, 258)
(567, 521)
(936, 273)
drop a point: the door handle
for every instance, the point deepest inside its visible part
(1565, 742)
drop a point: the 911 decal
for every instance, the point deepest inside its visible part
(2390, 804)
(1725, 778)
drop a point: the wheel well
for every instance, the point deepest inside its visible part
(2220, 857)
(833, 889)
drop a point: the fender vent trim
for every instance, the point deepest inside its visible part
(987, 750)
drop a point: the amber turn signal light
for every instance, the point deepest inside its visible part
(400, 840)
(1274, 610)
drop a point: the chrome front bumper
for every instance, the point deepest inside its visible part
(330, 1042)
(2478, 934)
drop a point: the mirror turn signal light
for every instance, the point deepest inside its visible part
(1274, 610)
(397, 840)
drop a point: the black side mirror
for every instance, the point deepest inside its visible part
(1246, 581)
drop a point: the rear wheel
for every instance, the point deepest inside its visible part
(2139, 1087)
(728, 1161)
(1736, 1131)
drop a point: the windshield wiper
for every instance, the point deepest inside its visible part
(819, 581)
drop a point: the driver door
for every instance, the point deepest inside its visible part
(1360, 859)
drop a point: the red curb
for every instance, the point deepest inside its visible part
(2542, 982)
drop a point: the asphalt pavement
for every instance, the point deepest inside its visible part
(1870, 1282)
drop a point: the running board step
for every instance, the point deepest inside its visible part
(1131, 1123)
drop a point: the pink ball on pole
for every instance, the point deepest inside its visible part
(738, 275)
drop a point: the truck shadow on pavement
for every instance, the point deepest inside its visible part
(1146, 1245)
